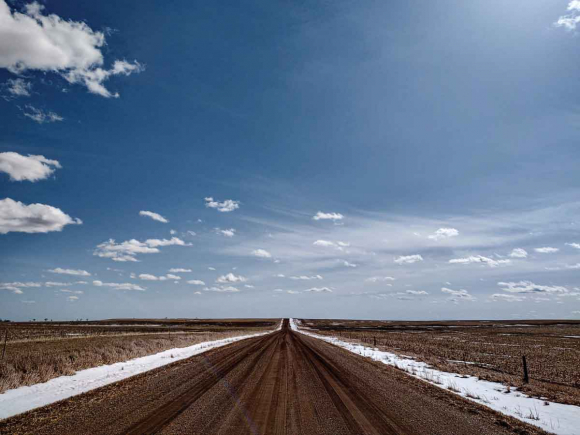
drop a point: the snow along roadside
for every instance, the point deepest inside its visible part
(555, 417)
(22, 399)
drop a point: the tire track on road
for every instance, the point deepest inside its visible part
(166, 413)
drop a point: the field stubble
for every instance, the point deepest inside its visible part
(489, 350)
(38, 352)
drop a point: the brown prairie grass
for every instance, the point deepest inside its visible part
(41, 358)
(490, 350)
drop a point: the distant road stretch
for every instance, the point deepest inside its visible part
(280, 383)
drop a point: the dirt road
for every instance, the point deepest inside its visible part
(281, 383)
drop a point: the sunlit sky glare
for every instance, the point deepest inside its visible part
(386, 160)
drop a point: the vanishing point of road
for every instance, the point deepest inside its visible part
(280, 383)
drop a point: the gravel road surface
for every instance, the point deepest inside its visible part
(280, 383)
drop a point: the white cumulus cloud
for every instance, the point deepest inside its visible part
(261, 253)
(29, 168)
(408, 259)
(224, 206)
(444, 233)
(230, 277)
(570, 20)
(231, 232)
(150, 277)
(33, 218)
(128, 250)
(32, 40)
(546, 250)
(196, 282)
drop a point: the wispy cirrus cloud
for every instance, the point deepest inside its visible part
(40, 116)
(19, 87)
(306, 277)
(151, 277)
(327, 216)
(17, 286)
(408, 259)
(546, 250)
(480, 259)
(118, 286)
(374, 279)
(74, 272)
(155, 216)
(222, 289)
(530, 287)
(458, 295)
(506, 298)
(519, 253)
(319, 290)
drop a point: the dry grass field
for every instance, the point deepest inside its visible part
(37, 352)
(490, 350)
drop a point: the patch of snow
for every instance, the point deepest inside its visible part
(22, 399)
(556, 418)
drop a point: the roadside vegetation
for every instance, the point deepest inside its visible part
(37, 352)
(489, 350)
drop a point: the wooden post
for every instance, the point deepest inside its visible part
(375, 341)
(5, 340)
(526, 378)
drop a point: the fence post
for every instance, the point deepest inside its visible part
(5, 340)
(526, 378)
(375, 341)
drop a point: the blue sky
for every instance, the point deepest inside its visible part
(404, 160)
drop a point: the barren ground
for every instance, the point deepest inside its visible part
(491, 350)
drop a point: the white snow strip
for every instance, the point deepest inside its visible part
(555, 417)
(22, 399)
